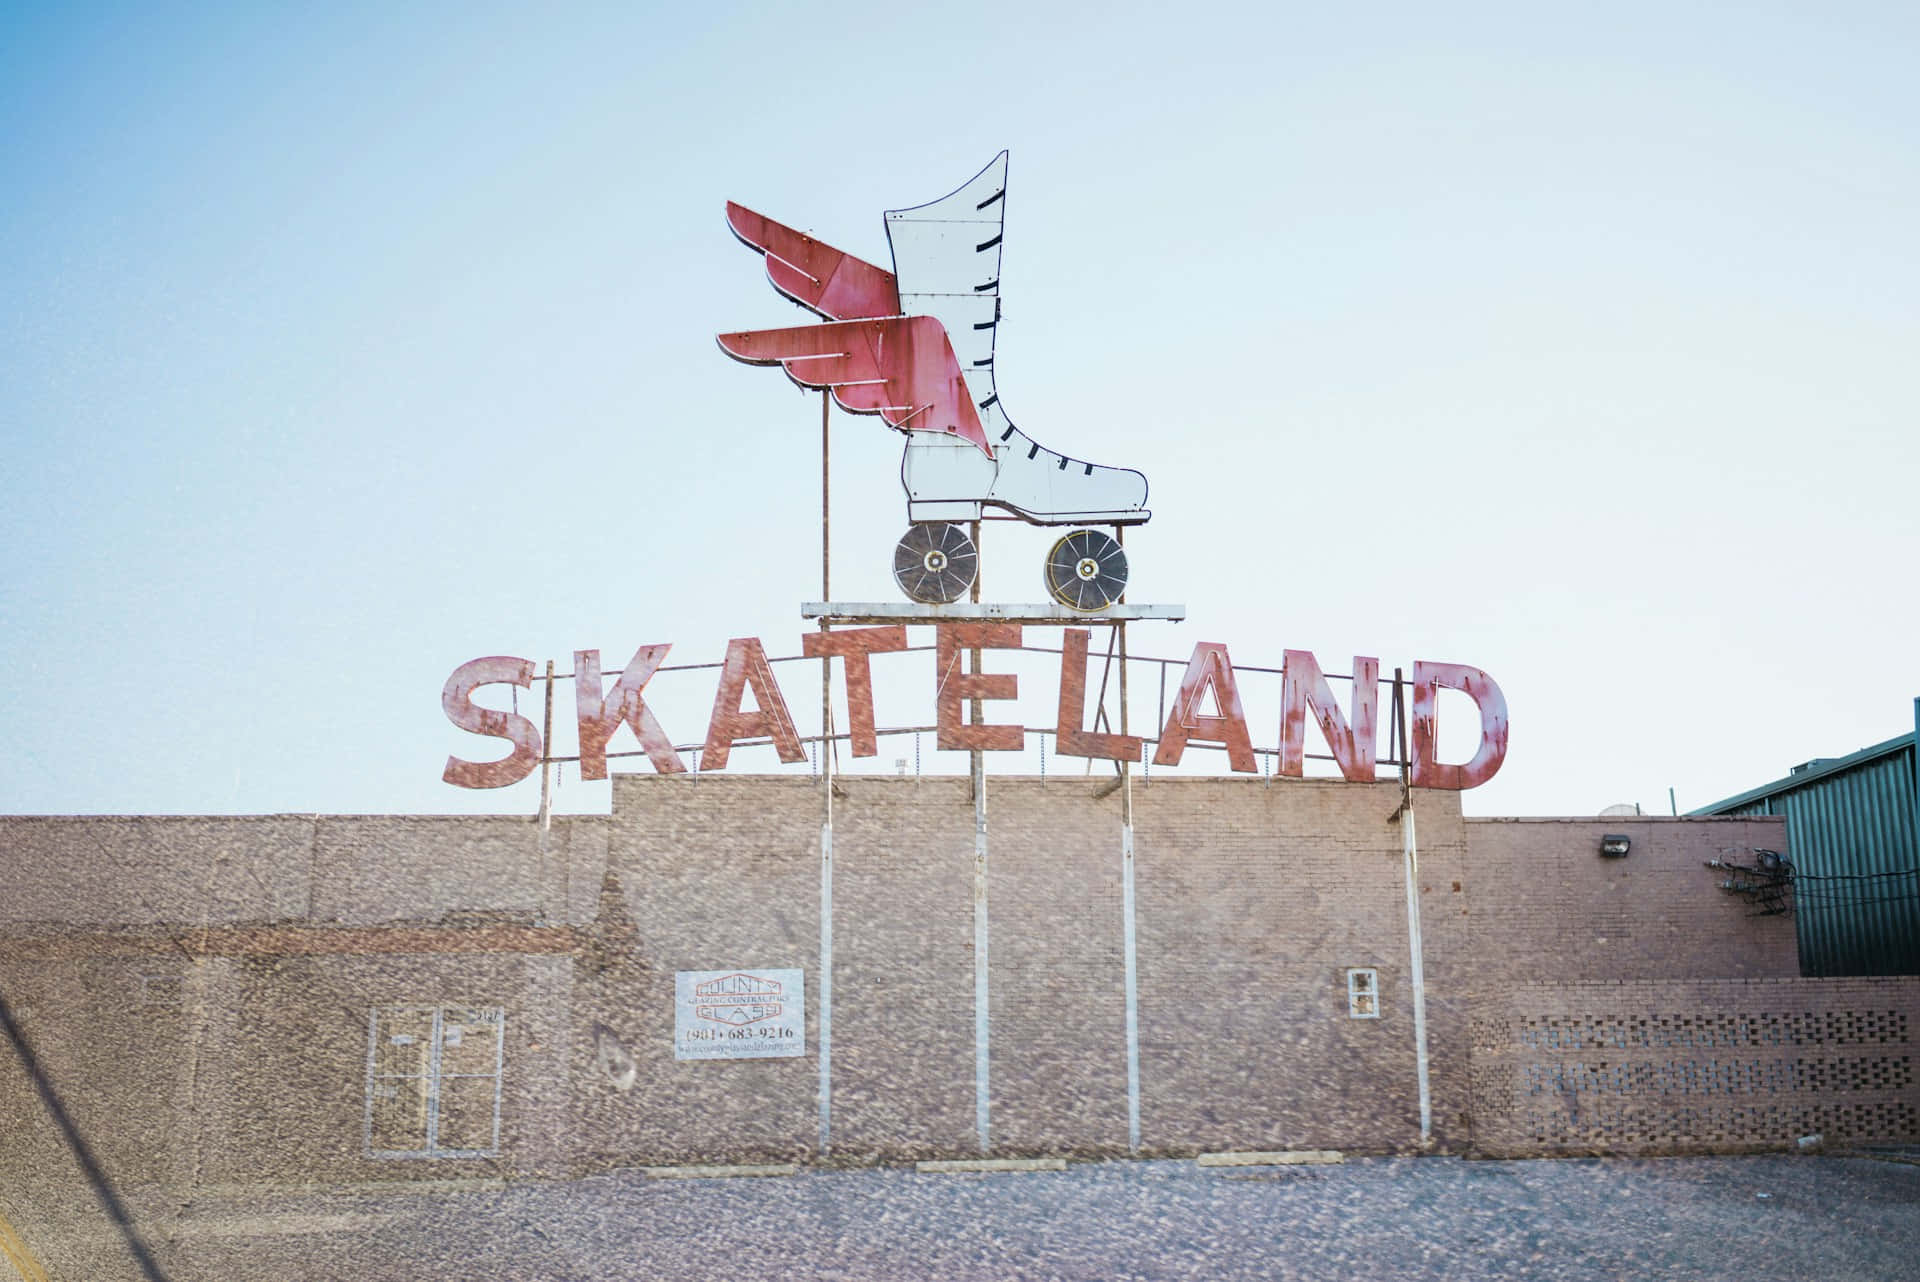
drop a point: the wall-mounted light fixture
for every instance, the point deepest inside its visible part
(1615, 845)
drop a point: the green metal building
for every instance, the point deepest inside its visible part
(1855, 850)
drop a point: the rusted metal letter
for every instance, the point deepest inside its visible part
(1068, 737)
(1476, 685)
(600, 717)
(955, 687)
(457, 698)
(1209, 668)
(746, 665)
(1305, 688)
(855, 646)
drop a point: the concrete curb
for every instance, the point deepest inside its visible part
(992, 1164)
(720, 1172)
(248, 1192)
(1294, 1157)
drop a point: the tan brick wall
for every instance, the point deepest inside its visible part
(1253, 899)
(115, 870)
(1664, 1066)
(1548, 907)
(253, 1069)
(183, 871)
(716, 872)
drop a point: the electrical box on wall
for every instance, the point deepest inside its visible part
(1363, 993)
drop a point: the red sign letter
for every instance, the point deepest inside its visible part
(855, 646)
(1209, 667)
(1304, 687)
(955, 685)
(747, 665)
(1478, 686)
(1068, 737)
(599, 717)
(457, 699)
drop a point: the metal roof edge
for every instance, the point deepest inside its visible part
(1790, 782)
(1597, 820)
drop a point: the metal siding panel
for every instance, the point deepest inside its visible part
(1854, 825)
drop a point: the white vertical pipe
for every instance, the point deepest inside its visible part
(1133, 988)
(826, 981)
(982, 1027)
(1130, 938)
(982, 1023)
(1418, 967)
(826, 775)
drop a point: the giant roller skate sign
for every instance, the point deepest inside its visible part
(915, 346)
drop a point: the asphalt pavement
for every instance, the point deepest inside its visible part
(1788, 1217)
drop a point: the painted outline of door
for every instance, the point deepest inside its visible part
(433, 1081)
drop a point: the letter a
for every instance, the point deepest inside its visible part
(1208, 669)
(747, 665)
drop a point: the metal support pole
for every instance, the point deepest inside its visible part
(546, 758)
(1129, 934)
(546, 798)
(1416, 953)
(826, 503)
(982, 1022)
(826, 984)
(826, 776)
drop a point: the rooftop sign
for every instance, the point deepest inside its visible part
(1206, 710)
(915, 347)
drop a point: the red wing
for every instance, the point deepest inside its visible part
(815, 274)
(900, 367)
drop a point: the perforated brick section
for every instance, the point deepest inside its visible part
(1701, 1065)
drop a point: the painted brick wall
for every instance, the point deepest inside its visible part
(1665, 1066)
(1548, 907)
(1252, 901)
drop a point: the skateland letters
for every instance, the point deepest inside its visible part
(1351, 734)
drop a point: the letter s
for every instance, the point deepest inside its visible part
(457, 699)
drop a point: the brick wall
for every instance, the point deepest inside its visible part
(1665, 1066)
(1253, 900)
(1548, 906)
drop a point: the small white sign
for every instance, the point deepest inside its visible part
(739, 1014)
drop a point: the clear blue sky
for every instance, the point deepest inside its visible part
(1574, 342)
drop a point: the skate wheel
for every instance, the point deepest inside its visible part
(1087, 570)
(934, 563)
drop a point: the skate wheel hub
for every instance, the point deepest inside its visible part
(934, 563)
(1086, 571)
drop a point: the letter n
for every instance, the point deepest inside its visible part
(1304, 688)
